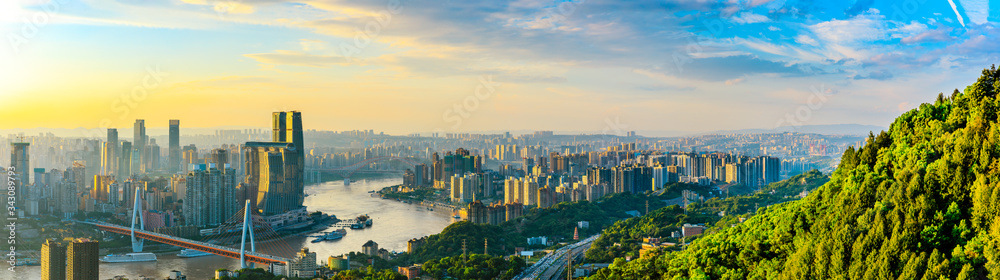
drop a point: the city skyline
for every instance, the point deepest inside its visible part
(732, 64)
(519, 139)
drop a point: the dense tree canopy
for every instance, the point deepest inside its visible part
(476, 267)
(917, 202)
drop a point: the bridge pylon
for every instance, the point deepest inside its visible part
(137, 212)
(247, 227)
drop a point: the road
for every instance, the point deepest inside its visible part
(552, 264)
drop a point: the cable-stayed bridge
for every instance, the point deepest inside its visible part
(246, 257)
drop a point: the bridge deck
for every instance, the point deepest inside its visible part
(252, 257)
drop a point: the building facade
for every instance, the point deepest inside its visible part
(174, 147)
(53, 261)
(303, 265)
(81, 260)
(273, 177)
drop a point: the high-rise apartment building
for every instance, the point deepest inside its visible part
(189, 156)
(53, 261)
(81, 260)
(220, 157)
(19, 159)
(449, 165)
(174, 147)
(210, 196)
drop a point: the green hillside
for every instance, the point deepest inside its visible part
(917, 202)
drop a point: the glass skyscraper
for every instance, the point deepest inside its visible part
(20, 161)
(174, 147)
(274, 170)
(273, 177)
(109, 156)
(139, 146)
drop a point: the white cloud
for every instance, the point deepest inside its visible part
(805, 39)
(977, 10)
(911, 29)
(862, 28)
(852, 38)
(748, 17)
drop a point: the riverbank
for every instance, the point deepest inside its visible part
(420, 199)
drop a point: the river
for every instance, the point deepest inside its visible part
(394, 224)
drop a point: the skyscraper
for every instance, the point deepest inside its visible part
(136, 160)
(125, 160)
(287, 128)
(152, 155)
(210, 196)
(109, 158)
(189, 155)
(273, 177)
(53, 261)
(81, 260)
(139, 144)
(174, 147)
(220, 157)
(20, 161)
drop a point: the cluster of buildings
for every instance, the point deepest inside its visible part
(638, 171)
(187, 188)
(495, 213)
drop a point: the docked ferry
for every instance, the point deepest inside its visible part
(362, 221)
(191, 253)
(130, 257)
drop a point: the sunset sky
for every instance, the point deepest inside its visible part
(404, 66)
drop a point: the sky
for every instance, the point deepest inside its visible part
(409, 66)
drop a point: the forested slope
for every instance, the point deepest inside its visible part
(917, 202)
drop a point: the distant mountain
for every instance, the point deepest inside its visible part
(826, 129)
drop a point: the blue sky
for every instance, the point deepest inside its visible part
(420, 66)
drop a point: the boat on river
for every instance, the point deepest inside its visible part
(192, 253)
(331, 236)
(130, 257)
